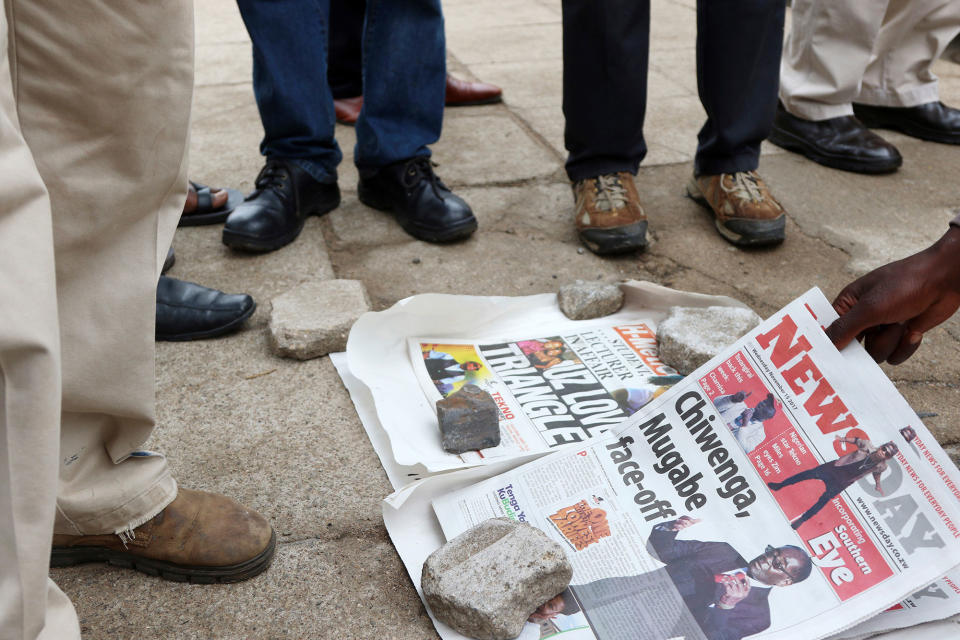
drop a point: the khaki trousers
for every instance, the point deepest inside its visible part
(876, 52)
(94, 113)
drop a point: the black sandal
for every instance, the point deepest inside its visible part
(206, 213)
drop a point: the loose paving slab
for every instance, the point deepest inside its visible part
(314, 318)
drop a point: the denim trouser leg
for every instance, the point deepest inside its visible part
(290, 82)
(404, 80)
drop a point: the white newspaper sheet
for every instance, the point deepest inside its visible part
(780, 466)
(556, 380)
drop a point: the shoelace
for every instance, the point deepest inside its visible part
(746, 186)
(272, 176)
(419, 169)
(611, 194)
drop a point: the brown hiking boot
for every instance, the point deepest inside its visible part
(608, 214)
(200, 537)
(744, 211)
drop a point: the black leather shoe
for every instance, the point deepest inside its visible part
(933, 121)
(842, 143)
(273, 215)
(188, 311)
(421, 203)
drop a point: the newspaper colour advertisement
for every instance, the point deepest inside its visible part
(551, 390)
(782, 490)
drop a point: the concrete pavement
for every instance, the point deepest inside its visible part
(282, 435)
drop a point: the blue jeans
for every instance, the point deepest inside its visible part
(404, 76)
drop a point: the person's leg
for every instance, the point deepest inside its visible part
(606, 48)
(899, 88)
(738, 61)
(290, 82)
(345, 49)
(813, 473)
(299, 178)
(914, 35)
(828, 48)
(738, 64)
(829, 493)
(112, 159)
(825, 54)
(31, 606)
(404, 79)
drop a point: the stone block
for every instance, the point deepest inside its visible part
(691, 336)
(314, 318)
(487, 581)
(586, 300)
(469, 420)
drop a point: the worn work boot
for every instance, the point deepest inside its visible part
(608, 214)
(200, 537)
(744, 211)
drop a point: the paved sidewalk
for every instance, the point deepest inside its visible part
(282, 436)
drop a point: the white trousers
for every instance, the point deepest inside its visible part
(876, 52)
(94, 116)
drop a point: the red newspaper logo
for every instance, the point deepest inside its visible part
(644, 343)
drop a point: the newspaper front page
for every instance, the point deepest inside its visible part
(555, 380)
(551, 390)
(781, 490)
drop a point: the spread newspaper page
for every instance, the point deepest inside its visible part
(555, 380)
(782, 490)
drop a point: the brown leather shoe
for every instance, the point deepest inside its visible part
(608, 215)
(347, 110)
(744, 211)
(462, 93)
(200, 537)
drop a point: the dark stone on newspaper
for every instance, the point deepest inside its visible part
(487, 581)
(585, 300)
(469, 420)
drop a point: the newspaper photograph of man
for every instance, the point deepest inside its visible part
(746, 422)
(837, 475)
(718, 595)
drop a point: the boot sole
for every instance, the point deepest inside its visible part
(617, 240)
(755, 233)
(255, 244)
(797, 144)
(452, 233)
(70, 556)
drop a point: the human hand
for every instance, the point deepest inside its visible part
(733, 590)
(683, 522)
(892, 306)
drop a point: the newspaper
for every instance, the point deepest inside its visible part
(782, 490)
(555, 380)
(939, 599)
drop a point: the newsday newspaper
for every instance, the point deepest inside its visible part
(783, 490)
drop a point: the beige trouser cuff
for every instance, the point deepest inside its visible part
(878, 52)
